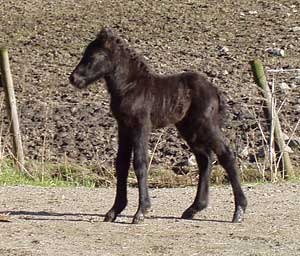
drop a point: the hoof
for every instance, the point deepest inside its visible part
(238, 215)
(188, 214)
(110, 217)
(139, 218)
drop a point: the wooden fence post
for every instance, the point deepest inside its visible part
(260, 79)
(11, 108)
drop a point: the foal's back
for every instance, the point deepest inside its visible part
(181, 96)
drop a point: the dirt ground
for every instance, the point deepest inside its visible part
(68, 221)
(217, 38)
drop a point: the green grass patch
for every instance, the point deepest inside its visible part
(73, 175)
(14, 178)
(50, 175)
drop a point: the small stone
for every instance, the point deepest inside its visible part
(253, 12)
(191, 161)
(224, 49)
(295, 29)
(225, 72)
(276, 52)
(245, 153)
(284, 87)
(297, 108)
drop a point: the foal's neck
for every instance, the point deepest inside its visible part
(114, 86)
(124, 79)
(130, 68)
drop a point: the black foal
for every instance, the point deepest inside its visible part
(142, 100)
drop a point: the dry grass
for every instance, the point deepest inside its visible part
(70, 174)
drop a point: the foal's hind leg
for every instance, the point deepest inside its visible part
(203, 158)
(198, 144)
(122, 168)
(226, 159)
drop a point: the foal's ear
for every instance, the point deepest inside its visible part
(105, 36)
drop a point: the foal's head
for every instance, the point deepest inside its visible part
(96, 61)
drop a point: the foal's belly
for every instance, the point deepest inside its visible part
(162, 116)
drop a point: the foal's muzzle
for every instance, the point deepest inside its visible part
(77, 81)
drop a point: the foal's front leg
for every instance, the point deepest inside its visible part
(140, 163)
(122, 168)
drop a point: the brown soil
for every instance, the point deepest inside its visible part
(68, 221)
(218, 38)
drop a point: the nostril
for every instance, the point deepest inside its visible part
(74, 79)
(71, 79)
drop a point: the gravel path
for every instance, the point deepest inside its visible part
(68, 221)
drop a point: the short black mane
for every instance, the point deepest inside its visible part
(121, 47)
